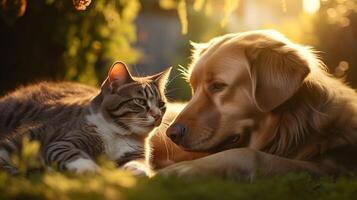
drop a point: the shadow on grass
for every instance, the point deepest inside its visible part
(290, 186)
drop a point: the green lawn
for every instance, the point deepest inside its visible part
(111, 183)
(115, 184)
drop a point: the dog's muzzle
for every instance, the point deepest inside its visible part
(176, 132)
(228, 143)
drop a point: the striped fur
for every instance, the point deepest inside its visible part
(75, 123)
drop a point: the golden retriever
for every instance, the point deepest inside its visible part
(260, 103)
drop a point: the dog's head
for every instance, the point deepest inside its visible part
(236, 79)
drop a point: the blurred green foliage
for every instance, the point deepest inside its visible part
(112, 31)
(54, 40)
(227, 7)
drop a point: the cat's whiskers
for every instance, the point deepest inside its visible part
(184, 72)
(165, 123)
(172, 79)
(140, 122)
(172, 90)
(169, 151)
(132, 118)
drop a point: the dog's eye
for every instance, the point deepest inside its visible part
(217, 87)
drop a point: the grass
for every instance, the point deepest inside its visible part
(112, 183)
(291, 186)
(116, 184)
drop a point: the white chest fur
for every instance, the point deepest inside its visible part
(116, 148)
(115, 139)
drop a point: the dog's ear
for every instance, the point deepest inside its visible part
(199, 48)
(277, 71)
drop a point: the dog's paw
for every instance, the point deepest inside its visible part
(138, 169)
(82, 165)
(186, 168)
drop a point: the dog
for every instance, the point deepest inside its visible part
(260, 103)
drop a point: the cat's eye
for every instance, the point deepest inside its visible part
(140, 101)
(216, 87)
(161, 104)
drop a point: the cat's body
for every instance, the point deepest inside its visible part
(75, 123)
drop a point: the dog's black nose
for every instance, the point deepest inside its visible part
(176, 132)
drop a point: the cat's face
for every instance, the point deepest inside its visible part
(135, 104)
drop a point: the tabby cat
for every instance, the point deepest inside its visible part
(75, 123)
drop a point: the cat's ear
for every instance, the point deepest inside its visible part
(161, 78)
(119, 73)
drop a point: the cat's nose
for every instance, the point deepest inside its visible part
(176, 132)
(157, 116)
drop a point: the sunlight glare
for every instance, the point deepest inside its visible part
(311, 6)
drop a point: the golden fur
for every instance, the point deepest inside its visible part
(290, 114)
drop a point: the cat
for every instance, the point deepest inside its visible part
(75, 123)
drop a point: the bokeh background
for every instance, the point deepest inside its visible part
(52, 40)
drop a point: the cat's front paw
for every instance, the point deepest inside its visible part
(82, 165)
(139, 169)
